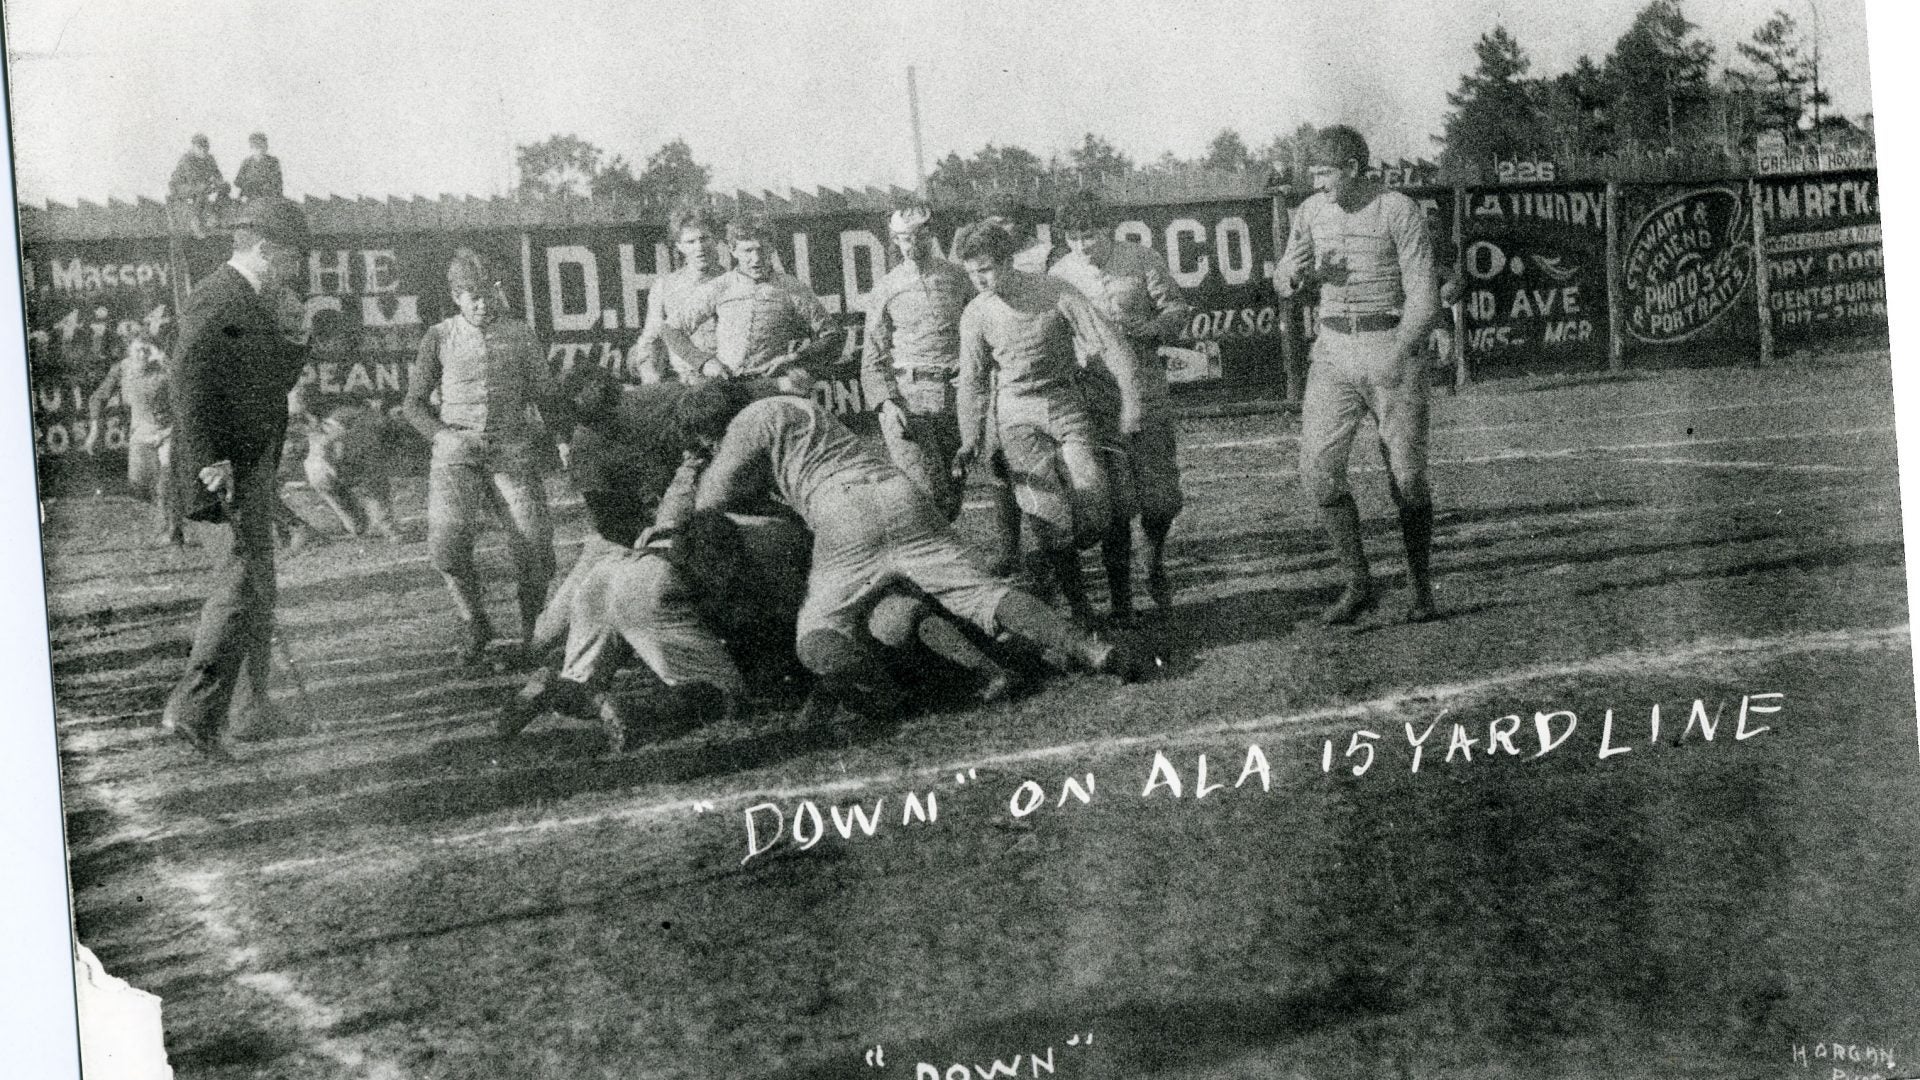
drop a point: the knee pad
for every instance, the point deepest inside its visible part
(895, 620)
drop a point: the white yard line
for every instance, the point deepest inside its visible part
(1560, 421)
(1572, 452)
(1766, 466)
(206, 887)
(1634, 662)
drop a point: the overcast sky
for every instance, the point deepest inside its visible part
(382, 98)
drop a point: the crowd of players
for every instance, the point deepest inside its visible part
(741, 535)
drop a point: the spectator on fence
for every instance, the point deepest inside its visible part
(259, 175)
(142, 378)
(196, 186)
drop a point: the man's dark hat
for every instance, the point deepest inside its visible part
(279, 220)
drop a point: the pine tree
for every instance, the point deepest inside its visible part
(1659, 77)
(1495, 115)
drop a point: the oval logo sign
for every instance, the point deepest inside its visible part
(1687, 263)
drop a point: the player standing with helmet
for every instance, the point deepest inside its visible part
(487, 445)
(1369, 249)
(912, 355)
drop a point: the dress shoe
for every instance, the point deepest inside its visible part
(1357, 600)
(207, 745)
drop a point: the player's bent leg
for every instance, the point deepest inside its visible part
(901, 619)
(1064, 644)
(1006, 517)
(1083, 468)
(1156, 481)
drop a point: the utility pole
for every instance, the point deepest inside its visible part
(913, 115)
(1815, 9)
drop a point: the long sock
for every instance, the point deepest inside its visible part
(1156, 531)
(1026, 617)
(1073, 586)
(533, 597)
(1342, 522)
(1416, 532)
(951, 643)
(1116, 552)
(1006, 516)
(470, 605)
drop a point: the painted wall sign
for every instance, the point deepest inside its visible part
(1686, 263)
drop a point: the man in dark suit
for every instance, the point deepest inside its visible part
(259, 176)
(234, 366)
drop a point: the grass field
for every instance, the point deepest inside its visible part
(400, 896)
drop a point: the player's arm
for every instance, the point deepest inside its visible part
(974, 387)
(199, 377)
(1094, 331)
(650, 352)
(877, 379)
(97, 403)
(1414, 246)
(422, 379)
(1290, 272)
(825, 338)
(739, 474)
(1171, 310)
(677, 331)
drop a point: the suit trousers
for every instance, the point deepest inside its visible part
(230, 665)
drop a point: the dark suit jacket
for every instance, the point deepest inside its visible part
(231, 374)
(258, 178)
